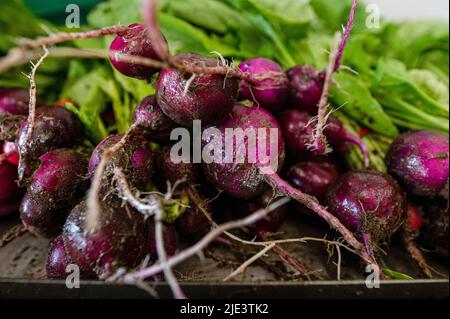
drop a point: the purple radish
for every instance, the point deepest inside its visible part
(135, 158)
(55, 127)
(10, 192)
(166, 170)
(119, 239)
(58, 260)
(271, 223)
(270, 93)
(192, 222)
(156, 126)
(436, 234)
(133, 42)
(369, 203)
(420, 161)
(244, 180)
(313, 177)
(55, 187)
(185, 97)
(298, 131)
(14, 101)
(247, 179)
(305, 88)
(169, 237)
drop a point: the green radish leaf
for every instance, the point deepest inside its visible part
(396, 275)
(355, 99)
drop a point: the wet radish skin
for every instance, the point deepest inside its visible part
(119, 240)
(420, 161)
(267, 92)
(133, 42)
(209, 97)
(245, 180)
(368, 202)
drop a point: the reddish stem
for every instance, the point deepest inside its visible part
(348, 29)
(312, 203)
(286, 257)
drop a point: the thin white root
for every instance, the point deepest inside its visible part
(154, 206)
(248, 262)
(162, 256)
(320, 143)
(204, 242)
(32, 105)
(93, 206)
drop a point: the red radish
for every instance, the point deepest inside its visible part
(185, 97)
(156, 126)
(271, 223)
(368, 203)
(55, 187)
(57, 260)
(270, 93)
(119, 239)
(298, 131)
(414, 218)
(305, 88)
(420, 161)
(168, 171)
(54, 127)
(136, 158)
(14, 101)
(10, 192)
(247, 180)
(133, 42)
(10, 151)
(192, 222)
(313, 177)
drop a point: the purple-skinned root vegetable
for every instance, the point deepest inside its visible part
(271, 93)
(420, 161)
(194, 221)
(298, 132)
(40, 217)
(135, 159)
(119, 239)
(313, 177)
(54, 127)
(271, 223)
(435, 234)
(247, 179)
(133, 42)
(169, 237)
(243, 179)
(368, 203)
(185, 97)
(155, 125)
(168, 170)
(58, 183)
(10, 192)
(305, 88)
(14, 101)
(58, 260)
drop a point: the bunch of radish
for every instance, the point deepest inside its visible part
(365, 207)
